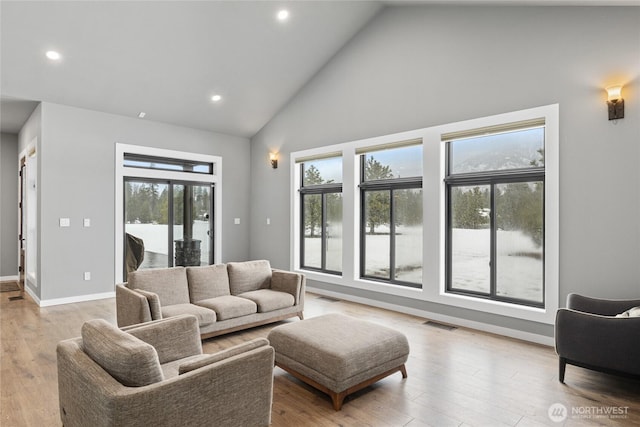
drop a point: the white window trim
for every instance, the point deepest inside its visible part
(122, 172)
(434, 278)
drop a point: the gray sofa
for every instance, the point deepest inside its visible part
(155, 374)
(589, 335)
(224, 297)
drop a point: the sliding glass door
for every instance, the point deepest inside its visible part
(167, 223)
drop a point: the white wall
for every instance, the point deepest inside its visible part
(418, 66)
(8, 205)
(77, 174)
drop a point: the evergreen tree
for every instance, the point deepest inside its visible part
(377, 203)
(312, 203)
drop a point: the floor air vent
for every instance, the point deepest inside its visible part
(440, 325)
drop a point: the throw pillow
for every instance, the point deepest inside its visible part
(129, 360)
(632, 312)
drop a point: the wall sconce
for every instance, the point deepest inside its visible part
(274, 160)
(615, 102)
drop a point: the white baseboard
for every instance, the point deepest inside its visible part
(28, 290)
(70, 300)
(493, 329)
(9, 278)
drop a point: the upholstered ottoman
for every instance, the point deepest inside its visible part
(337, 354)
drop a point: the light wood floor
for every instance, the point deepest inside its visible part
(456, 377)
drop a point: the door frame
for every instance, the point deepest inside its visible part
(28, 207)
(214, 178)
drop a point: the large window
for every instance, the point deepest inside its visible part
(391, 209)
(321, 207)
(463, 214)
(495, 214)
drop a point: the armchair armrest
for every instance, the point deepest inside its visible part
(604, 307)
(598, 341)
(131, 307)
(289, 282)
(224, 354)
(173, 338)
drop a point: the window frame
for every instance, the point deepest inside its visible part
(322, 190)
(391, 185)
(122, 171)
(491, 182)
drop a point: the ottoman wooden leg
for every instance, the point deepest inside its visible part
(337, 399)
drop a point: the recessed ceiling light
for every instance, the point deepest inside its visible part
(283, 15)
(53, 55)
(216, 98)
(141, 114)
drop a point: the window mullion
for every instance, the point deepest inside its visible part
(392, 237)
(323, 228)
(493, 260)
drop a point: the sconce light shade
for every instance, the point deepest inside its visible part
(615, 103)
(274, 160)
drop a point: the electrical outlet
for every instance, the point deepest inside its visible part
(87, 222)
(87, 275)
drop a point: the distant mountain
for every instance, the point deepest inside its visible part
(498, 152)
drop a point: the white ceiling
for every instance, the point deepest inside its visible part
(167, 58)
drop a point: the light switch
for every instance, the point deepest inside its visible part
(236, 221)
(268, 221)
(65, 222)
(87, 222)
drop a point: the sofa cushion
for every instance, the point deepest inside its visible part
(207, 282)
(126, 358)
(154, 303)
(205, 316)
(169, 283)
(229, 306)
(268, 300)
(248, 276)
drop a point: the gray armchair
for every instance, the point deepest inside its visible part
(590, 336)
(155, 374)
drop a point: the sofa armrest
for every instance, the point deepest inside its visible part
(604, 307)
(289, 282)
(234, 391)
(131, 307)
(173, 338)
(601, 341)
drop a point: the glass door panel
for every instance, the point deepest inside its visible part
(150, 207)
(146, 225)
(192, 224)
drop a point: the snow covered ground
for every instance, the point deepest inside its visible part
(520, 264)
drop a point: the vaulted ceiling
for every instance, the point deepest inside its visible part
(168, 58)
